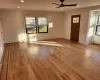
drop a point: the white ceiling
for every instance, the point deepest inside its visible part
(45, 4)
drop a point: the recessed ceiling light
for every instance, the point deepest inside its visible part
(18, 7)
(21, 1)
(77, 5)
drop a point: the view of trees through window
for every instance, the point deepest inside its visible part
(42, 25)
(43, 29)
(36, 25)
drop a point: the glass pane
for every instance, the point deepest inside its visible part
(98, 21)
(98, 30)
(76, 20)
(30, 21)
(43, 29)
(42, 21)
(31, 29)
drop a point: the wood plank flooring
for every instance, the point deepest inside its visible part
(51, 60)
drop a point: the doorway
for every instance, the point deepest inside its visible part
(75, 27)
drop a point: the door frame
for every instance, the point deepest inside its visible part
(78, 15)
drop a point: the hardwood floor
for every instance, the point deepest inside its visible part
(51, 60)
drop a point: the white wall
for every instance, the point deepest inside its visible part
(83, 24)
(14, 26)
(84, 12)
(1, 42)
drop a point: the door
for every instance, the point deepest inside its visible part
(75, 27)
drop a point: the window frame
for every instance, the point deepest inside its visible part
(43, 32)
(97, 30)
(26, 26)
(37, 26)
(42, 25)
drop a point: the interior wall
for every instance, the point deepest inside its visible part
(84, 12)
(83, 24)
(1, 43)
(14, 25)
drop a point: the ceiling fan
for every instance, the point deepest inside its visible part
(63, 5)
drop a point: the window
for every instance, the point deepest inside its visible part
(76, 20)
(98, 30)
(30, 25)
(98, 20)
(41, 26)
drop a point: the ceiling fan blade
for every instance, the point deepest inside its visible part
(55, 3)
(58, 7)
(70, 5)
